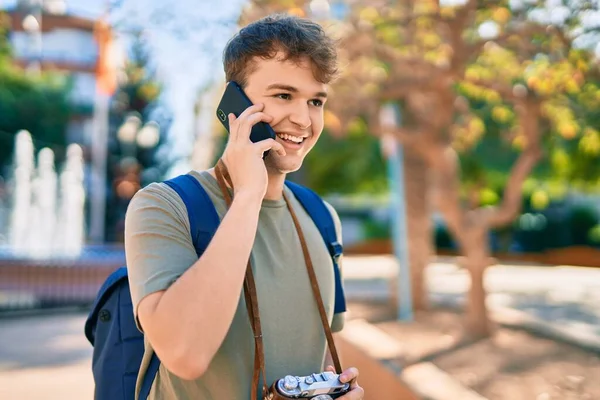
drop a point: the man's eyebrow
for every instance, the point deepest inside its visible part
(292, 89)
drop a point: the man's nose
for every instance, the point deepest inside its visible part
(301, 117)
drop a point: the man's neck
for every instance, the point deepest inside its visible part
(275, 185)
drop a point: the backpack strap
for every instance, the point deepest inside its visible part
(202, 214)
(204, 222)
(113, 280)
(318, 211)
(149, 377)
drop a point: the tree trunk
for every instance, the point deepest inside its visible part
(477, 258)
(418, 225)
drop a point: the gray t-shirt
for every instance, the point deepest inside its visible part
(159, 250)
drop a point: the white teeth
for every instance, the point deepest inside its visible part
(291, 138)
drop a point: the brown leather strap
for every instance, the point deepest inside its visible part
(252, 300)
(315, 287)
(224, 173)
(250, 296)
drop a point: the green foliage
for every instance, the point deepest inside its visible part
(37, 104)
(137, 96)
(560, 225)
(488, 161)
(5, 50)
(581, 220)
(348, 165)
(563, 224)
(141, 88)
(374, 229)
(489, 137)
(572, 158)
(594, 235)
(353, 164)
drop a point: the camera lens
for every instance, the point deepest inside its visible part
(221, 115)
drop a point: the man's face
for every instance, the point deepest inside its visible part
(295, 100)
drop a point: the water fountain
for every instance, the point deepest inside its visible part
(47, 217)
(45, 261)
(43, 207)
(21, 199)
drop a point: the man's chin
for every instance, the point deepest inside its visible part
(283, 165)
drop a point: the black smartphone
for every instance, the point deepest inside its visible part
(235, 101)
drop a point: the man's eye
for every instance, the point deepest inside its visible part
(317, 103)
(284, 96)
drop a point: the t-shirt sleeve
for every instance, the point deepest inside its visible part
(337, 323)
(158, 244)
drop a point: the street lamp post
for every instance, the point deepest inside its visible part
(132, 135)
(389, 119)
(132, 168)
(32, 24)
(149, 136)
(137, 140)
(127, 134)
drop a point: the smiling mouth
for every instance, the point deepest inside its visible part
(290, 138)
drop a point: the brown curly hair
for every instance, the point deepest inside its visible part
(296, 37)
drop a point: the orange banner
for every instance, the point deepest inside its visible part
(106, 69)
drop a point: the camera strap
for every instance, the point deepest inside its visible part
(251, 296)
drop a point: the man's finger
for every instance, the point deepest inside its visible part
(357, 393)
(251, 110)
(255, 108)
(232, 134)
(349, 374)
(270, 144)
(330, 368)
(235, 130)
(247, 123)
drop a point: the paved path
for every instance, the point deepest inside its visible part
(45, 357)
(48, 357)
(562, 295)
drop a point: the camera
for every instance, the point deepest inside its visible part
(323, 386)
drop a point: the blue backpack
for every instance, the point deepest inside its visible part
(110, 326)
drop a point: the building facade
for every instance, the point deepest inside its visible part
(45, 37)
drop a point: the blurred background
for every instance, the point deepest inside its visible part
(461, 150)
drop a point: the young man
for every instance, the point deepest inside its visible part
(191, 310)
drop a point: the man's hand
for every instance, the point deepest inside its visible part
(243, 158)
(350, 375)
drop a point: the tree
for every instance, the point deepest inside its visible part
(185, 40)
(131, 166)
(431, 60)
(339, 123)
